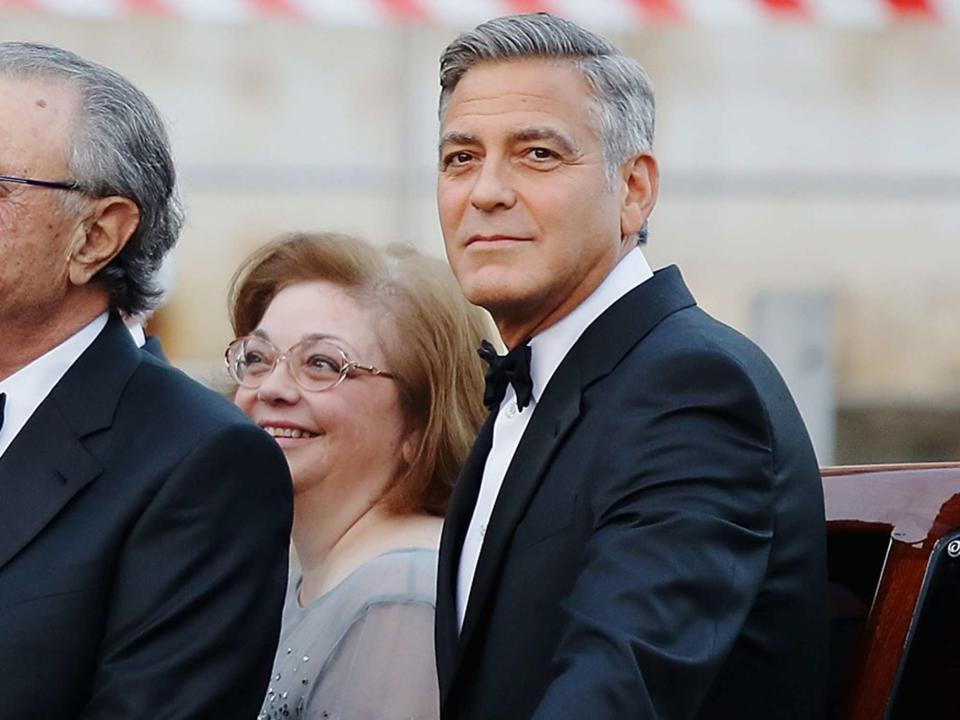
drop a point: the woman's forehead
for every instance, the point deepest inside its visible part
(319, 308)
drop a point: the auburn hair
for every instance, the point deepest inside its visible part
(427, 330)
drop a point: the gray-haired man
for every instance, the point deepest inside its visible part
(639, 531)
(143, 522)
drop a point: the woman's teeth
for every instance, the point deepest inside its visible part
(286, 432)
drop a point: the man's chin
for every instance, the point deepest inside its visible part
(495, 297)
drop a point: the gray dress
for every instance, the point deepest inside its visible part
(363, 650)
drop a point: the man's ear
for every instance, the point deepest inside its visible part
(103, 234)
(641, 176)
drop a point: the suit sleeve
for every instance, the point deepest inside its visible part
(683, 522)
(195, 611)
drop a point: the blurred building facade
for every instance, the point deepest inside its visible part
(798, 156)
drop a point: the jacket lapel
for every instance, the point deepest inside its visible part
(595, 354)
(455, 525)
(40, 472)
(553, 417)
(47, 464)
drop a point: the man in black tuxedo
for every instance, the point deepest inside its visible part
(144, 522)
(639, 531)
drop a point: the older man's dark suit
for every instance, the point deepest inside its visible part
(657, 547)
(144, 527)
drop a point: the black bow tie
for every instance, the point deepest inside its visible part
(510, 369)
(3, 401)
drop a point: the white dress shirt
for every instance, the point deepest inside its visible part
(30, 385)
(548, 349)
(136, 332)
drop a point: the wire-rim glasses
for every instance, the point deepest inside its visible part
(55, 184)
(316, 364)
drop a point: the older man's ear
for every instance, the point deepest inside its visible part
(101, 237)
(641, 185)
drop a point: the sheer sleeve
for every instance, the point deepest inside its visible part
(383, 668)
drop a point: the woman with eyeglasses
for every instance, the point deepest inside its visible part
(362, 364)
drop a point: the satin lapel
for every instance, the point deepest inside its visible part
(47, 464)
(598, 351)
(459, 513)
(625, 323)
(553, 417)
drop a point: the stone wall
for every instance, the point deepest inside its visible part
(794, 158)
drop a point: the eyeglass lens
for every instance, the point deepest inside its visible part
(315, 364)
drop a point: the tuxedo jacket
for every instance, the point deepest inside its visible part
(657, 549)
(144, 529)
(152, 345)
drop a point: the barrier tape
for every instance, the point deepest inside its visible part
(609, 14)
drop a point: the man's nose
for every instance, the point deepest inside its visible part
(493, 187)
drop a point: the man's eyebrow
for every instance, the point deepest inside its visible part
(457, 138)
(565, 142)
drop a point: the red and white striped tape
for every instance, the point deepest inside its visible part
(613, 14)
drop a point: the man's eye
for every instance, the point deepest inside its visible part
(457, 159)
(252, 358)
(539, 153)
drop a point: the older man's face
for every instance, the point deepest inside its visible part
(35, 234)
(529, 222)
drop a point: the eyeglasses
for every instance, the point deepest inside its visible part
(315, 364)
(55, 184)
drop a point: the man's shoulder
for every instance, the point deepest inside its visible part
(693, 333)
(690, 352)
(164, 395)
(691, 349)
(165, 420)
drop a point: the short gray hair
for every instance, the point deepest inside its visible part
(624, 93)
(118, 147)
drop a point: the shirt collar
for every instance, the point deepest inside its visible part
(136, 332)
(30, 385)
(552, 345)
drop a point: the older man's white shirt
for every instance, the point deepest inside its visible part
(30, 385)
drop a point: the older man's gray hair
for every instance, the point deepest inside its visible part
(118, 147)
(624, 93)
